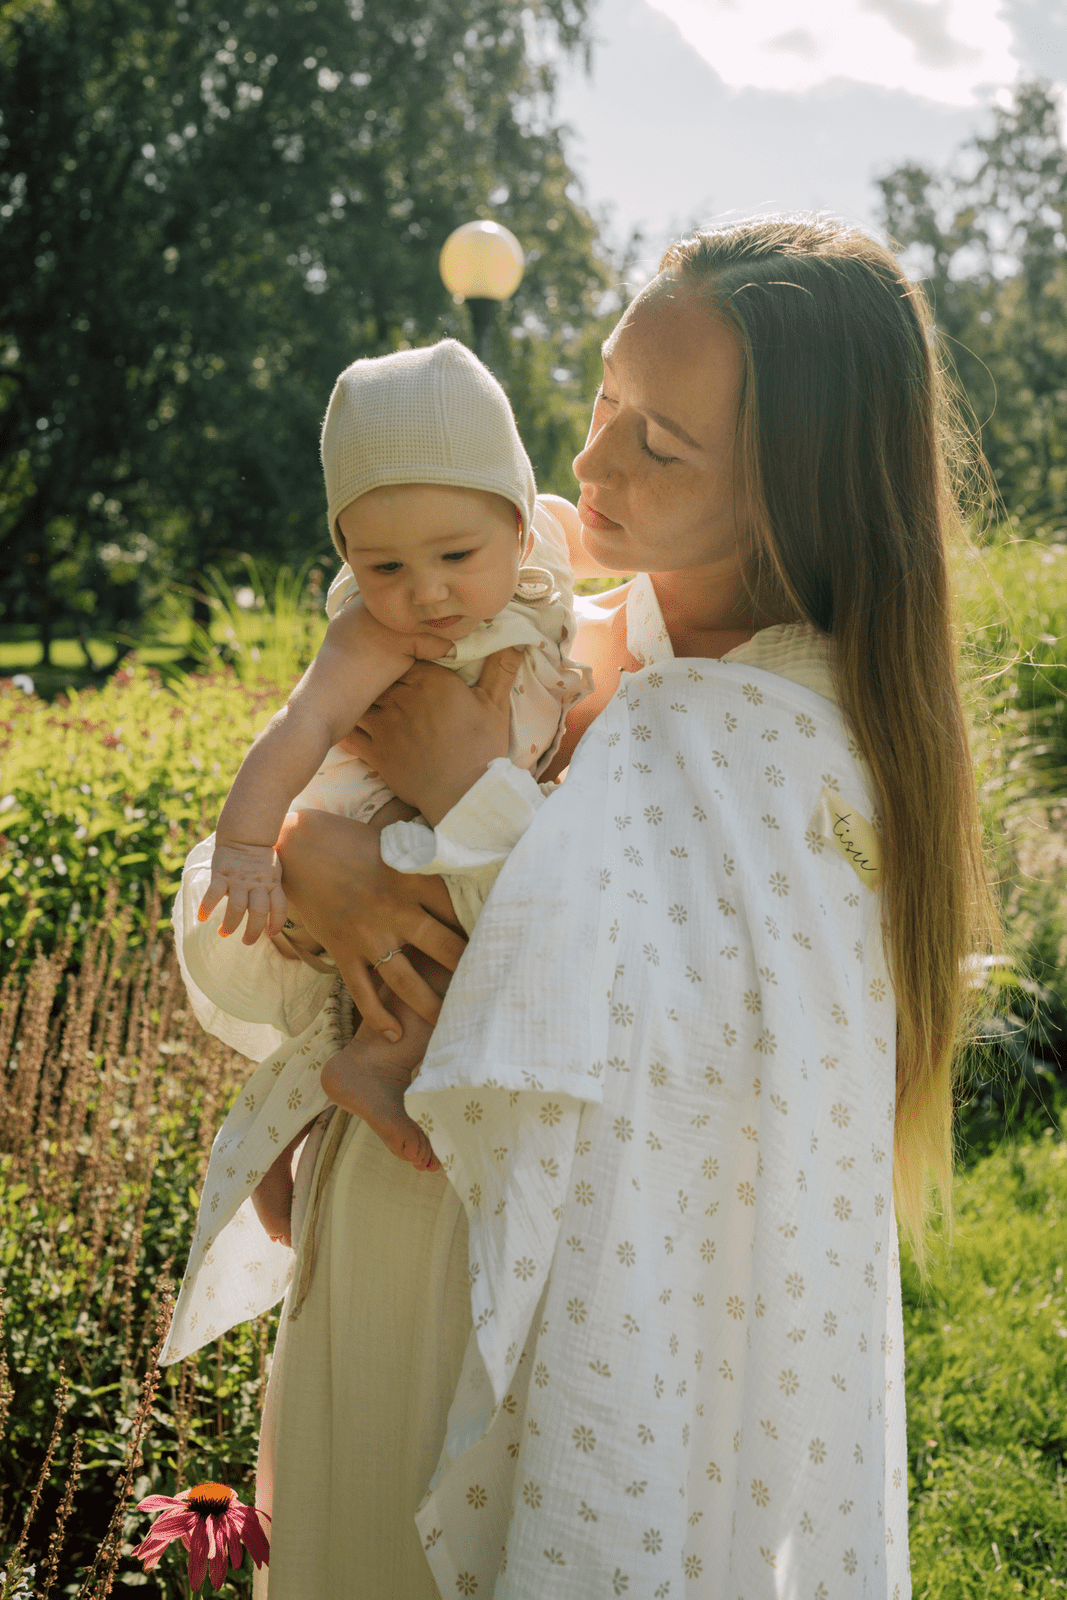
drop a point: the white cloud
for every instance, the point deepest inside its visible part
(946, 50)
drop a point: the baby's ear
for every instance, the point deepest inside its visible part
(527, 544)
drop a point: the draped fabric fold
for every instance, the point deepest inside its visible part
(663, 1090)
(234, 1271)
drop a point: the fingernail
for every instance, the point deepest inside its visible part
(394, 1038)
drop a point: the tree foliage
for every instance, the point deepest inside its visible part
(989, 235)
(206, 209)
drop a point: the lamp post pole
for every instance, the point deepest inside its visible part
(483, 315)
(481, 263)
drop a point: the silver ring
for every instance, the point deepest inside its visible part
(383, 959)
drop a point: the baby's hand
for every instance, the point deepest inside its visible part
(363, 633)
(250, 876)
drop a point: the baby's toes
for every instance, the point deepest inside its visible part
(421, 1152)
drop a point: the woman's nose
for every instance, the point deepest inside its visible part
(593, 463)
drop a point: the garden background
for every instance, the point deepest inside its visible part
(205, 210)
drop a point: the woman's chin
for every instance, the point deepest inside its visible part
(605, 546)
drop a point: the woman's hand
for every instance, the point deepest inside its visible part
(431, 737)
(359, 910)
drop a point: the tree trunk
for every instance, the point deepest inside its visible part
(45, 619)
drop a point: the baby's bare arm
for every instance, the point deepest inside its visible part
(358, 660)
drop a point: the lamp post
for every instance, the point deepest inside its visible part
(482, 263)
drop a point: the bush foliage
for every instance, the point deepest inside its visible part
(112, 787)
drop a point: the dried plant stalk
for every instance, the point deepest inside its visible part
(31, 1047)
(129, 1272)
(59, 1531)
(46, 1465)
(98, 1582)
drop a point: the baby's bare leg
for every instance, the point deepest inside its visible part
(272, 1198)
(370, 1076)
(296, 943)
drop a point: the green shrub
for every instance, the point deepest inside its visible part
(113, 786)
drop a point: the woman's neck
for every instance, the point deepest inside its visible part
(705, 613)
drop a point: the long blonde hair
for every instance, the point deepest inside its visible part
(842, 440)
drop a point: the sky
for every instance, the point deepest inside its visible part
(698, 110)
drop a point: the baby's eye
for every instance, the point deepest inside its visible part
(457, 555)
(387, 566)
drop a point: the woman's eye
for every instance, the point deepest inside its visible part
(457, 555)
(664, 461)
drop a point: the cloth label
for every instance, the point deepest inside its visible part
(851, 834)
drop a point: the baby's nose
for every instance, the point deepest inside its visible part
(429, 590)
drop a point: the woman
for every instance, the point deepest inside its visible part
(650, 1320)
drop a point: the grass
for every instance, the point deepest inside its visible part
(986, 1345)
(112, 1096)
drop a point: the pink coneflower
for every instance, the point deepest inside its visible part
(212, 1524)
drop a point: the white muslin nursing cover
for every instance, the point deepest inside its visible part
(663, 1088)
(234, 1270)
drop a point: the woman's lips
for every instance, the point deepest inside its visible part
(592, 517)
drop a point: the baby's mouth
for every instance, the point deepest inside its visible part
(441, 622)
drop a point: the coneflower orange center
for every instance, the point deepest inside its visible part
(210, 1499)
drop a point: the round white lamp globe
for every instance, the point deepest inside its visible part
(481, 261)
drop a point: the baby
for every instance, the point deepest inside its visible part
(431, 504)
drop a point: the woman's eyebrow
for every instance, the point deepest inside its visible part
(666, 423)
(675, 428)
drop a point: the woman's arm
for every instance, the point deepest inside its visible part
(435, 742)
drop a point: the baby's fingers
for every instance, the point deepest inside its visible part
(217, 890)
(258, 907)
(279, 910)
(237, 905)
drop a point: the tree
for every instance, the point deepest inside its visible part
(989, 236)
(208, 208)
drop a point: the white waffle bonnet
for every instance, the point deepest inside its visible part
(434, 415)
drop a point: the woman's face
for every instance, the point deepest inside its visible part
(657, 471)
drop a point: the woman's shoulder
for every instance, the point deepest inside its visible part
(597, 610)
(797, 651)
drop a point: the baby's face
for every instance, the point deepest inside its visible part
(431, 557)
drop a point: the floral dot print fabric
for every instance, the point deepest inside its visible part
(672, 1134)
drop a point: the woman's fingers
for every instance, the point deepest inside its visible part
(431, 737)
(434, 940)
(403, 980)
(359, 909)
(359, 981)
(498, 677)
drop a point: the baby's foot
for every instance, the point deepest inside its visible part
(369, 1077)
